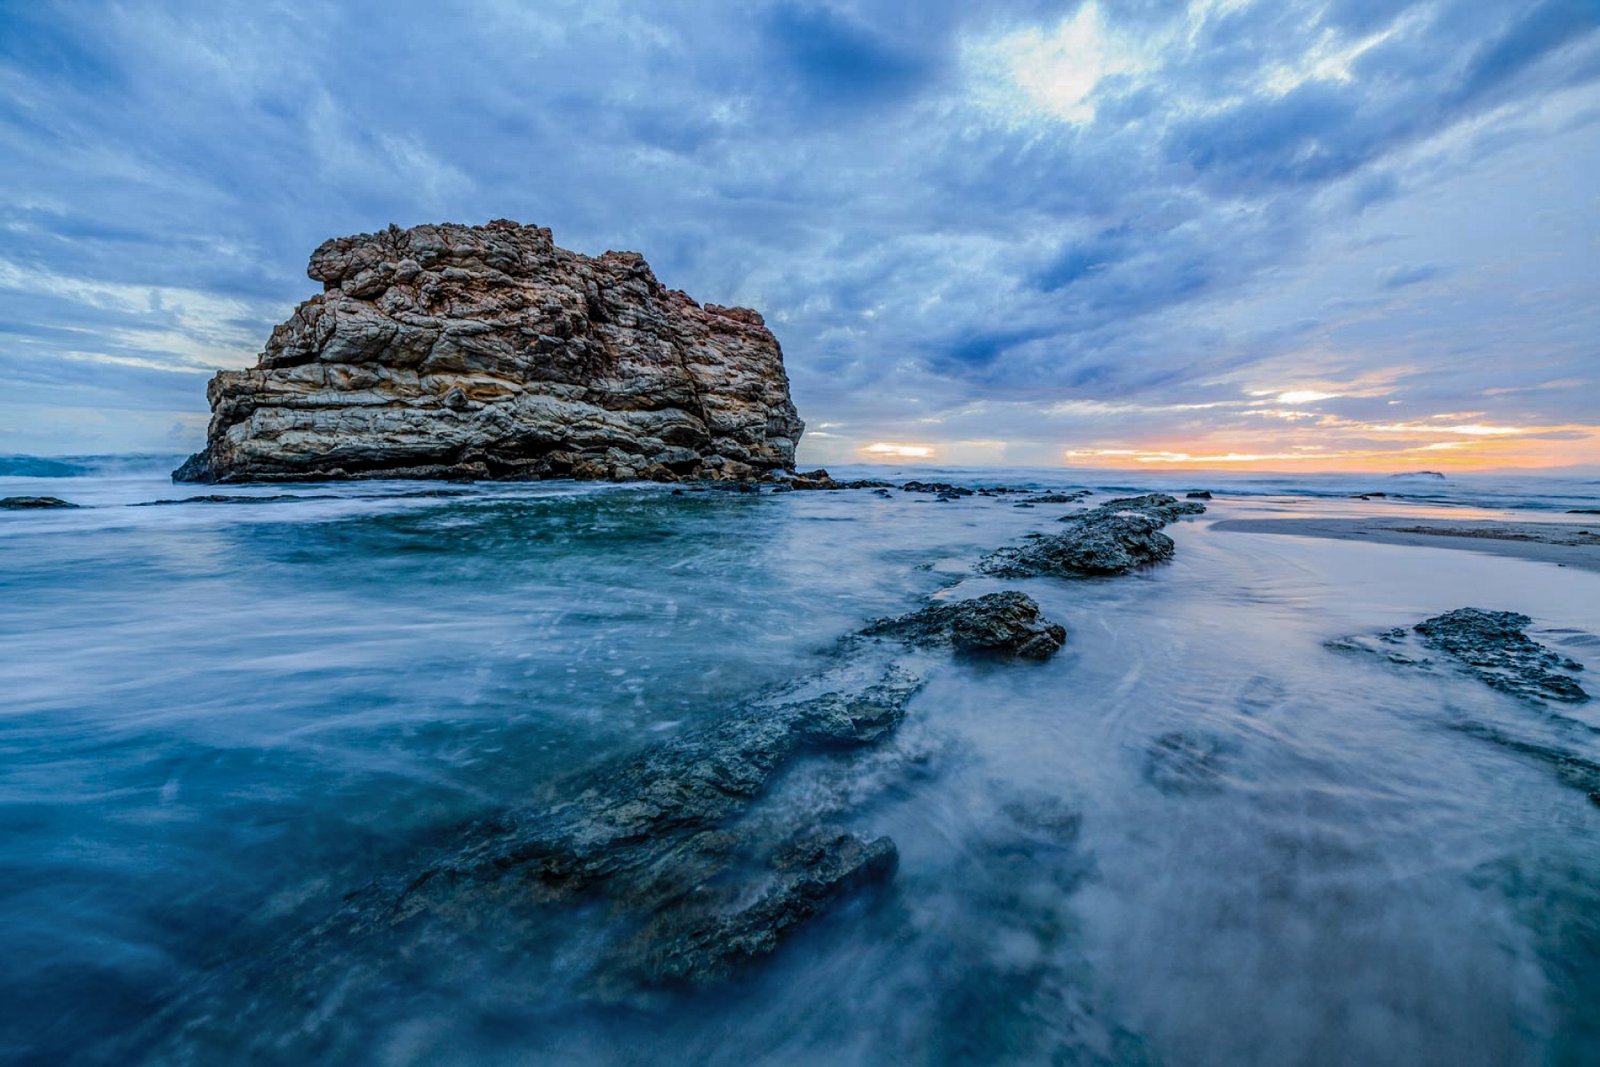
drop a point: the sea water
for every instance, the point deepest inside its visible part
(218, 719)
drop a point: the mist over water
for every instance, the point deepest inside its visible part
(1196, 836)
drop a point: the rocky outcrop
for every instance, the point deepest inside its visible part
(1491, 646)
(488, 352)
(820, 479)
(1114, 538)
(1007, 622)
(1059, 498)
(32, 503)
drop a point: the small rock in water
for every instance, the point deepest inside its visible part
(29, 503)
(821, 479)
(942, 488)
(1113, 538)
(1008, 622)
(1491, 645)
(235, 498)
(1199, 494)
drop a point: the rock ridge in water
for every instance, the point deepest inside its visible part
(1008, 622)
(1492, 647)
(1488, 645)
(1114, 538)
(452, 351)
(675, 863)
(33, 503)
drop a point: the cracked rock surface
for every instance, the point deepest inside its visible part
(1491, 646)
(1007, 622)
(449, 351)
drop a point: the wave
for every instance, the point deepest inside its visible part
(112, 465)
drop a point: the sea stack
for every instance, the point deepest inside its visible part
(455, 351)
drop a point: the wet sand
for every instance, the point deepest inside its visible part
(1567, 544)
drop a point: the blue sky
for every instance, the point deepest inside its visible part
(1283, 234)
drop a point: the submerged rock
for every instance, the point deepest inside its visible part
(680, 841)
(1180, 763)
(1491, 646)
(1118, 536)
(1572, 769)
(643, 830)
(455, 351)
(1059, 498)
(224, 498)
(702, 946)
(1008, 622)
(940, 488)
(29, 503)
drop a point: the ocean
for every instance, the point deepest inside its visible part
(218, 721)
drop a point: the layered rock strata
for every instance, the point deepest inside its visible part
(455, 351)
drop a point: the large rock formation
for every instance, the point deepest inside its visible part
(488, 352)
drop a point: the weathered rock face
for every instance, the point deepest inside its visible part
(488, 352)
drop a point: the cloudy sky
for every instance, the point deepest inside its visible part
(1285, 235)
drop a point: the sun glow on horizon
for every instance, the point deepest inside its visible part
(895, 450)
(1478, 447)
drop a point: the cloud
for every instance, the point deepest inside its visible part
(1091, 225)
(1400, 277)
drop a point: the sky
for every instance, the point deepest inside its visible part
(1285, 235)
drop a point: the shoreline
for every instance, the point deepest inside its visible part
(1566, 544)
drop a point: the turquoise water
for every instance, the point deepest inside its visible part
(218, 720)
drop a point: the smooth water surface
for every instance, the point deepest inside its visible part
(1196, 836)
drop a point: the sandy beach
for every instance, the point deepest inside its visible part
(1567, 544)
